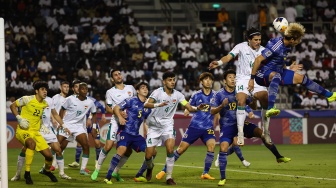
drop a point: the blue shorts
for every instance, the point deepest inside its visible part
(262, 77)
(137, 142)
(192, 134)
(228, 133)
(89, 130)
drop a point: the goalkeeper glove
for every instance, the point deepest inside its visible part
(23, 123)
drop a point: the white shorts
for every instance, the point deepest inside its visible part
(242, 85)
(112, 131)
(51, 137)
(75, 131)
(157, 136)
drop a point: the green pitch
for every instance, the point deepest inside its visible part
(311, 166)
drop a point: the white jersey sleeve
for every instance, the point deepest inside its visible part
(46, 116)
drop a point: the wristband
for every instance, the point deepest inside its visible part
(94, 126)
(252, 76)
(156, 105)
(220, 62)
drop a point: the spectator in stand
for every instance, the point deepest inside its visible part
(182, 45)
(222, 19)
(64, 27)
(51, 22)
(28, 85)
(321, 103)
(297, 98)
(317, 64)
(106, 19)
(131, 39)
(202, 58)
(137, 57)
(170, 64)
(85, 74)
(180, 82)
(21, 35)
(118, 37)
(290, 12)
(299, 7)
(94, 36)
(44, 67)
(32, 68)
(16, 86)
(124, 12)
(106, 39)
(9, 101)
(273, 11)
(86, 47)
(321, 5)
(85, 22)
(198, 34)
(192, 62)
(324, 73)
(319, 35)
(252, 19)
(165, 54)
(225, 37)
(186, 55)
(137, 72)
(166, 34)
(30, 29)
(99, 49)
(307, 63)
(318, 79)
(196, 46)
(308, 102)
(262, 16)
(63, 51)
(154, 37)
(123, 50)
(71, 39)
(61, 74)
(54, 85)
(19, 26)
(311, 73)
(187, 92)
(154, 82)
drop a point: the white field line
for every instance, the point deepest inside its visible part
(264, 173)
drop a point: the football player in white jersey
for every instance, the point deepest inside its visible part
(75, 109)
(247, 52)
(48, 134)
(57, 101)
(161, 123)
(114, 96)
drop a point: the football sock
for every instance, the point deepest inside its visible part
(238, 152)
(273, 90)
(265, 120)
(114, 162)
(20, 162)
(170, 164)
(29, 158)
(273, 149)
(78, 153)
(101, 158)
(97, 153)
(208, 161)
(240, 118)
(85, 159)
(60, 162)
(313, 86)
(222, 164)
(121, 163)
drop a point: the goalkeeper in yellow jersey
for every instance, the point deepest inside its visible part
(28, 131)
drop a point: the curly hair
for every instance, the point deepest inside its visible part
(295, 31)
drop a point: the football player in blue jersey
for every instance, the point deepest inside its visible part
(128, 133)
(200, 127)
(269, 68)
(224, 102)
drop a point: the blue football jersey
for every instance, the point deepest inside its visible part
(228, 113)
(275, 53)
(136, 114)
(201, 119)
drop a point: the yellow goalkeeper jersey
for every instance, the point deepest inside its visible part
(31, 110)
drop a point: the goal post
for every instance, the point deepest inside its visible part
(3, 115)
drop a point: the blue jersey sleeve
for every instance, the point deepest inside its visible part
(248, 109)
(125, 104)
(100, 106)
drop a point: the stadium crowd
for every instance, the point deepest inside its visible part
(66, 40)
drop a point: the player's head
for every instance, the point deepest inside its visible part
(142, 88)
(41, 88)
(82, 89)
(253, 37)
(75, 86)
(169, 80)
(230, 78)
(116, 76)
(206, 79)
(294, 33)
(65, 87)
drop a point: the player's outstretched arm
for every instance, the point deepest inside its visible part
(150, 103)
(223, 61)
(215, 110)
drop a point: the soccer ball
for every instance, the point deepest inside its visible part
(280, 24)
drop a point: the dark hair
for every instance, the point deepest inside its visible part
(39, 83)
(168, 74)
(75, 82)
(206, 75)
(65, 82)
(138, 85)
(112, 71)
(229, 71)
(82, 84)
(250, 33)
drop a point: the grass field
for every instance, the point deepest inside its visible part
(311, 166)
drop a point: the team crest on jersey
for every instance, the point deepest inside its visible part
(86, 107)
(129, 93)
(268, 53)
(174, 100)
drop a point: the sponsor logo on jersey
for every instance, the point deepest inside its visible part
(129, 93)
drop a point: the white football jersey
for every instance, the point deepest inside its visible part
(47, 112)
(164, 115)
(115, 96)
(246, 56)
(58, 100)
(76, 110)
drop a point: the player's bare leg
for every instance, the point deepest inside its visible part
(262, 96)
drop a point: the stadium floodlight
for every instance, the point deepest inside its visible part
(3, 115)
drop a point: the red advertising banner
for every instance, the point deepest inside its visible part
(321, 130)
